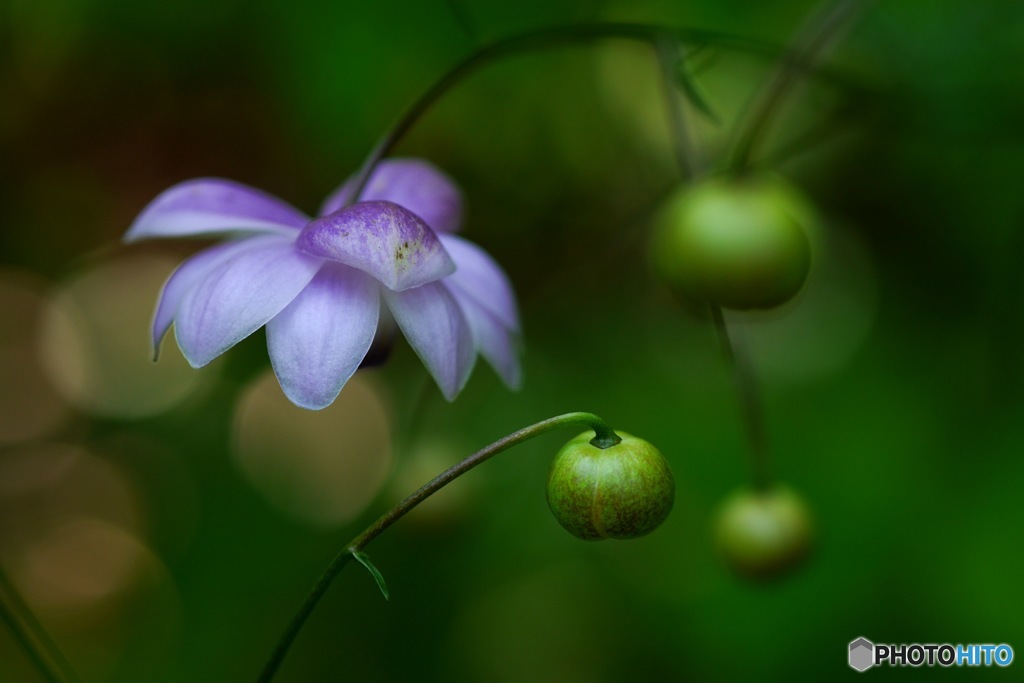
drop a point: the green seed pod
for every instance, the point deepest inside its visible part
(763, 534)
(623, 491)
(739, 243)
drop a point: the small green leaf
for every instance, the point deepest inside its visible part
(363, 559)
(692, 91)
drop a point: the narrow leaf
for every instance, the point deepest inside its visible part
(693, 92)
(363, 559)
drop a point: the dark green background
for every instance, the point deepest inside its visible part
(909, 452)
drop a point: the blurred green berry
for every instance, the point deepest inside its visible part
(739, 243)
(763, 534)
(623, 491)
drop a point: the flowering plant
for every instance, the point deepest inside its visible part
(329, 288)
(382, 255)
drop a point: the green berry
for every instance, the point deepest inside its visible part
(622, 491)
(739, 243)
(763, 534)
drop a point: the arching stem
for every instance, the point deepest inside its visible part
(31, 635)
(751, 410)
(669, 56)
(604, 437)
(811, 43)
(734, 352)
(818, 34)
(551, 37)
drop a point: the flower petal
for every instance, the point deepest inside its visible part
(495, 341)
(480, 277)
(438, 332)
(381, 238)
(240, 295)
(183, 279)
(212, 206)
(319, 340)
(414, 184)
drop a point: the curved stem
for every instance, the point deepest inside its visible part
(751, 409)
(547, 37)
(810, 44)
(604, 437)
(668, 54)
(820, 132)
(31, 635)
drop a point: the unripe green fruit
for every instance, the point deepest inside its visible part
(763, 534)
(622, 491)
(739, 243)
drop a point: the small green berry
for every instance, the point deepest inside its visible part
(739, 243)
(763, 534)
(622, 491)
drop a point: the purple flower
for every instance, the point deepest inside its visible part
(324, 286)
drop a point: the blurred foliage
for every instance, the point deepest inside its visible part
(893, 402)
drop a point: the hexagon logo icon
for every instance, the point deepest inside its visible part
(862, 654)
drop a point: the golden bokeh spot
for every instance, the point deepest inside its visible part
(30, 407)
(96, 341)
(323, 466)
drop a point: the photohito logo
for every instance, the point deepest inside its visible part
(864, 654)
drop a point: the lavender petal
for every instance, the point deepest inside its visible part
(414, 184)
(491, 337)
(183, 280)
(382, 239)
(240, 295)
(214, 207)
(438, 332)
(319, 340)
(480, 277)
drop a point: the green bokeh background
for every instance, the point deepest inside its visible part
(908, 446)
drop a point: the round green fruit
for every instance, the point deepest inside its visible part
(622, 491)
(739, 243)
(763, 534)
